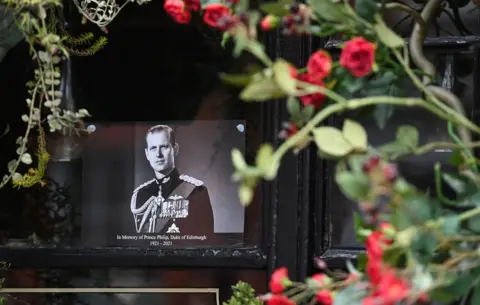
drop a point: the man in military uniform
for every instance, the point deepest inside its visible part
(171, 203)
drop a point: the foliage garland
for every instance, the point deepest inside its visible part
(419, 248)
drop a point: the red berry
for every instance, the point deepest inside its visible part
(324, 297)
(371, 163)
(269, 22)
(390, 172)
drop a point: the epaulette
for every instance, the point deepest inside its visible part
(143, 185)
(191, 180)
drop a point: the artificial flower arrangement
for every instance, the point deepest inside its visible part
(420, 248)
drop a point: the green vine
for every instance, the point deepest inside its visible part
(71, 42)
(44, 103)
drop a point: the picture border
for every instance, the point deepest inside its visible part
(118, 290)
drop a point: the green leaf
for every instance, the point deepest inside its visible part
(281, 75)
(463, 283)
(240, 44)
(238, 160)
(419, 208)
(240, 80)
(293, 106)
(354, 187)
(382, 113)
(354, 133)
(275, 8)
(257, 49)
(261, 90)
(402, 187)
(471, 197)
(408, 136)
(386, 35)
(225, 38)
(264, 156)
(366, 9)
(362, 230)
(352, 84)
(455, 183)
(245, 194)
(330, 140)
(391, 148)
(456, 158)
(329, 10)
(393, 255)
(442, 296)
(474, 224)
(383, 79)
(362, 261)
(423, 247)
(476, 294)
(355, 162)
(307, 113)
(450, 225)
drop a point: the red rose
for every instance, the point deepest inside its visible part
(269, 22)
(391, 289)
(176, 10)
(279, 300)
(319, 64)
(358, 56)
(374, 271)
(279, 280)
(374, 245)
(324, 297)
(315, 99)
(322, 279)
(214, 13)
(388, 229)
(194, 5)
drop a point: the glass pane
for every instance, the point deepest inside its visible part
(146, 75)
(117, 286)
(456, 73)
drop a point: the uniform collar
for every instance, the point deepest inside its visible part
(173, 175)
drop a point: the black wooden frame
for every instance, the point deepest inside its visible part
(285, 239)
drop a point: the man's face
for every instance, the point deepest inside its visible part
(160, 152)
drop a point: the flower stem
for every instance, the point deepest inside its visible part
(362, 102)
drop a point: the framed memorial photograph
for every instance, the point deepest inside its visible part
(103, 202)
(161, 184)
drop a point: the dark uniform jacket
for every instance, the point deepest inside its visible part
(177, 206)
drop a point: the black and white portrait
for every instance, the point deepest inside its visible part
(162, 185)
